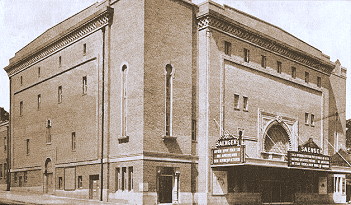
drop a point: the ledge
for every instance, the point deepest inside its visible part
(167, 137)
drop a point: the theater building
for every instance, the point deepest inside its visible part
(165, 101)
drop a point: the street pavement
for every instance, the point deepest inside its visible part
(15, 197)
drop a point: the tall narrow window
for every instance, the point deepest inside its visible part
(59, 93)
(319, 81)
(306, 118)
(1, 171)
(21, 80)
(21, 108)
(39, 101)
(124, 178)
(60, 183)
(307, 77)
(60, 61)
(246, 55)
(80, 182)
(312, 119)
(118, 179)
(193, 130)
(38, 72)
(73, 141)
(263, 61)
(236, 102)
(85, 85)
(84, 49)
(124, 100)
(130, 178)
(227, 48)
(245, 103)
(25, 177)
(279, 67)
(169, 72)
(48, 131)
(27, 147)
(293, 72)
(5, 144)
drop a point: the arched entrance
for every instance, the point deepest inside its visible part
(48, 177)
(276, 189)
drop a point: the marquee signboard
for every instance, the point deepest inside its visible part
(308, 156)
(228, 151)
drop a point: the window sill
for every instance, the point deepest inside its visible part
(246, 110)
(307, 124)
(123, 139)
(48, 143)
(168, 137)
(238, 109)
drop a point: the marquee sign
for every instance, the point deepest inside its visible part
(308, 156)
(228, 151)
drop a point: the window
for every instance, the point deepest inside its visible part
(59, 93)
(263, 61)
(169, 72)
(21, 80)
(193, 130)
(124, 178)
(25, 176)
(124, 100)
(84, 48)
(85, 85)
(60, 61)
(39, 99)
(27, 147)
(279, 67)
(312, 119)
(5, 144)
(246, 55)
(73, 141)
(80, 182)
(236, 102)
(130, 178)
(293, 72)
(60, 183)
(21, 108)
(319, 82)
(306, 118)
(15, 177)
(38, 72)
(307, 77)
(245, 103)
(5, 171)
(1, 171)
(48, 131)
(118, 180)
(227, 48)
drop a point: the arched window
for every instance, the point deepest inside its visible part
(169, 73)
(276, 140)
(124, 100)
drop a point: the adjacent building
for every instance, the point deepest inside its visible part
(165, 101)
(4, 150)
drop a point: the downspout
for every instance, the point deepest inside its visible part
(102, 117)
(8, 151)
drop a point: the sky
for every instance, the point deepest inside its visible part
(325, 25)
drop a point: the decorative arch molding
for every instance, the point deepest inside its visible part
(284, 133)
(269, 119)
(48, 167)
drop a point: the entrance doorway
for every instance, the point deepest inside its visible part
(168, 185)
(48, 174)
(94, 185)
(277, 192)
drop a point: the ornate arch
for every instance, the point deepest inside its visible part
(276, 137)
(48, 166)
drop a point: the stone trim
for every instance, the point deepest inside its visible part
(87, 28)
(210, 21)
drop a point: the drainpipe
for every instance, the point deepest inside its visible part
(8, 151)
(102, 117)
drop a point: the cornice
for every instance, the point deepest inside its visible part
(254, 37)
(99, 21)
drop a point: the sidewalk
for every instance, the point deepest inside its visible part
(13, 197)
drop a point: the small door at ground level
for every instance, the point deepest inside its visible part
(94, 184)
(165, 189)
(48, 183)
